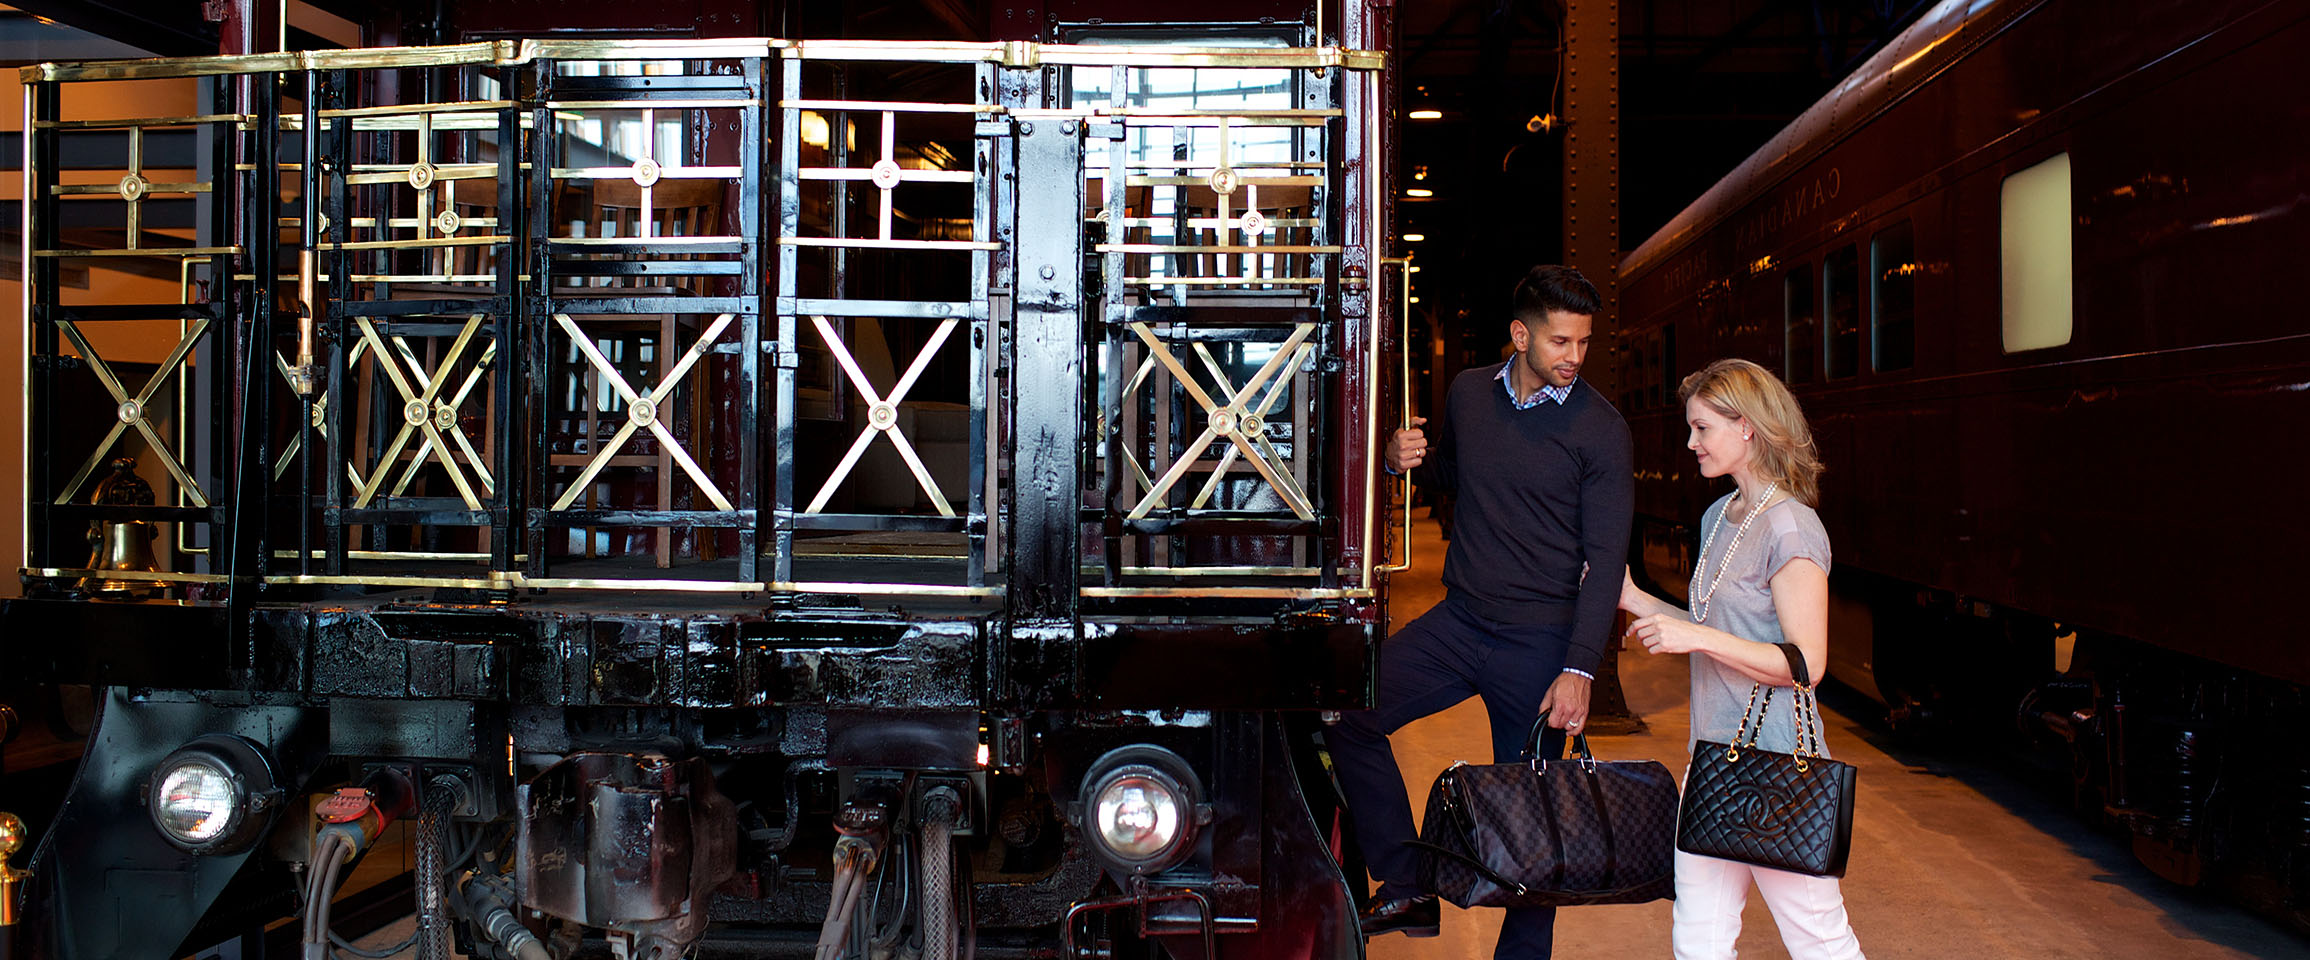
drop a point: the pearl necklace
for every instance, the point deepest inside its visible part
(1700, 606)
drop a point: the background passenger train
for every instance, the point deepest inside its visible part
(2027, 270)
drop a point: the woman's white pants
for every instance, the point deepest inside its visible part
(1711, 892)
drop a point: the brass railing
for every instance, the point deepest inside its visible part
(393, 285)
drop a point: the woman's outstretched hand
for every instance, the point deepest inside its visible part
(1661, 633)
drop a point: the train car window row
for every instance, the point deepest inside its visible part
(1664, 390)
(2034, 235)
(1893, 298)
(1800, 324)
(1841, 315)
(1632, 376)
(1821, 323)
(1649, 370)
(1655, 376)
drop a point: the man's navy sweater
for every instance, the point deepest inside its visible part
(1541, 492)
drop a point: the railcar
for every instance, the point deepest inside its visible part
(2030, 272)
(752, 496)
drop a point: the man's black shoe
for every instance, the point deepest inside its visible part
(1412, 917)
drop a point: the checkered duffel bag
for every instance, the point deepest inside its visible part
(1551, 833)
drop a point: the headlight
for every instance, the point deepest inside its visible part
(1137, 816)
(212, 795)
(1140, 809)
(196, 802)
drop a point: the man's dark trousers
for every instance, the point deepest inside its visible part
(1436, 661)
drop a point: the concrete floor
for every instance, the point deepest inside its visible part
(1951, 859)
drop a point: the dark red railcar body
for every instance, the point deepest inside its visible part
(2040, 534)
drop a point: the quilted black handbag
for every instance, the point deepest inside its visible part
(1551, 833)
(1786, 811)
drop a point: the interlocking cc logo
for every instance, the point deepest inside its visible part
(1759, 810)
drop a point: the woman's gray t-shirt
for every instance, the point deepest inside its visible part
(1743, 607)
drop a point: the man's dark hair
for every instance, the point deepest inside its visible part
(1551, 287)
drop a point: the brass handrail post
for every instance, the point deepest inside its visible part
(1403, 267)
(11, 837)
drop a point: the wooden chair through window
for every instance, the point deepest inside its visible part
(678, 208)
(644, 347)
(1285, 210)
(1135, 202)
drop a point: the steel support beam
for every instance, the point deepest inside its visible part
(1592, 147)
(1047, 409)
(1592, 218)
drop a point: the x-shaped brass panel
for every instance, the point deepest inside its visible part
(1256, 428)
(1245, 429)
(642, 411)
(352, 470)
(445, 417)
(131, 410)
(1139, 473)
(419, 414)
(882, 416)
(320, 413)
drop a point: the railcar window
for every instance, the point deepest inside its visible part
(620, 135)
(1800, 325)
(1252, 151)
(1893, 298)
(2034, 229)
(1632, 398)
(1655, 375)
(1669, 380)
(1841, 295)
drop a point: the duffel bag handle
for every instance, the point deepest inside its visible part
(1580, 749)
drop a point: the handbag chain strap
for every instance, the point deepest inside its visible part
(1804, 707)
(1745, 738)
(1804, 714)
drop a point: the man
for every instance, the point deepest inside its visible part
(1541, 466)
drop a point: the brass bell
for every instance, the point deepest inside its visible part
(122, 545)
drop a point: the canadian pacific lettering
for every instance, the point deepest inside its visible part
(1788, 208)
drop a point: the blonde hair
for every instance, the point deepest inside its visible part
(1783, 448)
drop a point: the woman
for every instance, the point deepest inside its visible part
(1762, 579)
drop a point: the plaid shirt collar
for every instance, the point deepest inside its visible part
(1546, 391)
